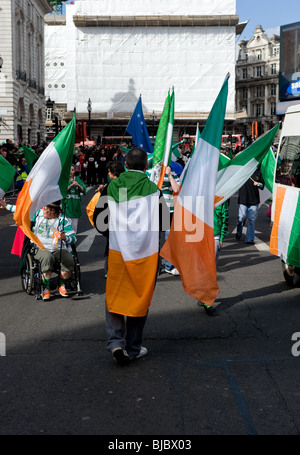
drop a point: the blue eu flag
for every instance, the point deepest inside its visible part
(138, 130)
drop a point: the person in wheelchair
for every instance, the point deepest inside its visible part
(56, 234)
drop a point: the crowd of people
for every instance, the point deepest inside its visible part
(103, 166)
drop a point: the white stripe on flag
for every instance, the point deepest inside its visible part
(137, 234)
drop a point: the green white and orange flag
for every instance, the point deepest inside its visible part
(285, 235)
(133, 202)
(163, 142)
(234, 173)
(47, 181)
(7, 173)
(190, 245)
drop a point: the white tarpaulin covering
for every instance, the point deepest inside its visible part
(114, 65)
(151, 7)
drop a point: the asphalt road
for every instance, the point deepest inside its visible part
(230, 374)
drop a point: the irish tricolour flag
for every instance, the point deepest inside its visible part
(285, 236)
(47, 181)
(234, 173)
(190, 245)
(133, 202)
(162, 153)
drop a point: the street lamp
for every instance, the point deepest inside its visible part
(1, 63)
(89, 108)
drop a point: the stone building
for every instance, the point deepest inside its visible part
(110, 52)
(257, 83)
(22, 100)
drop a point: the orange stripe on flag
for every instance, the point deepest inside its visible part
(21, 215)
(130, 284)
(162, 176)
(280, 194)
(218, 199)
(193, 254)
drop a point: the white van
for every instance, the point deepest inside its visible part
(285, 236)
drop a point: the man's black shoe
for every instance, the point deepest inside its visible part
(250, 243)
(120, 356)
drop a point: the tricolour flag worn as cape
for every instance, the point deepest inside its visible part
(285, 235)
(190, 245)
(237, 171)
(137, 128)
(7, 173)
(133, 202)
(48, 180)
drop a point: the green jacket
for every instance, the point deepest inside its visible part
(72, 204)
(221, 218)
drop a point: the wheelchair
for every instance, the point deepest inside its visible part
(31, 273)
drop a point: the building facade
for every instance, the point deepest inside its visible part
(257, 84)
(111, 52)
(22, 100)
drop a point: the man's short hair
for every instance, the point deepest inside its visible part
(137, 159)
(115, 167)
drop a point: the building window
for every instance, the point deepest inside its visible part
(245, 94)
(273, 89)
(258, 71)
(245, 73)
(257, 110)
(276, 50)
(273, 68)
(273, 108)
(259, 55)
(259, 91)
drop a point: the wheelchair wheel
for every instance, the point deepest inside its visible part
(74, 280)
(27, 276)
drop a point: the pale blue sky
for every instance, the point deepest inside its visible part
(270, 14)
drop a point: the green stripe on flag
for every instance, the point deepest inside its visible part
(212, 132)
(64, 145)
(223, 161)
(169, 142)
(7, 173)
(293, 253)
(130, 185)
(30, 156)
(268, 169)
(160, 139)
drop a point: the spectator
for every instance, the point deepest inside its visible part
(72, 203)
(102, 167)
(248, 201)
(22, 173)
(91, 166)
